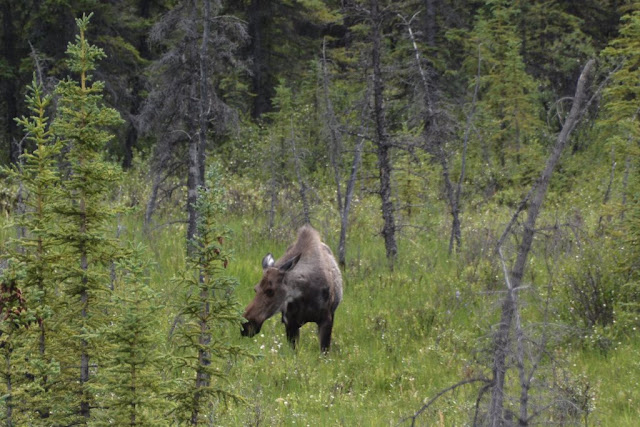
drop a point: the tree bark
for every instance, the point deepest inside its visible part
(381, 136)
(197, 144)
(430, 127)
(153, 198)
(336, 143)
(456, 234)
(8, 384)
(258, 17)
(502, 338)
(9, 86)
(137, 86)
(193, 181)
(346, 207)
(303, 185)
(430, 22)
(204, 104)
(85, 408)
(334, 154)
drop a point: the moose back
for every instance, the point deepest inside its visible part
(305, 285)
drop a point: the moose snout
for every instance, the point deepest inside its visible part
(249, 329)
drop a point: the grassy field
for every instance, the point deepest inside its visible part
(399, 337)
(402, 336)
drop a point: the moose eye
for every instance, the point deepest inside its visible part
(268, 292)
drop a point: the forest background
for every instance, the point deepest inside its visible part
(474, 165)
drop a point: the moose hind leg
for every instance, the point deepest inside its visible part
(324, 334)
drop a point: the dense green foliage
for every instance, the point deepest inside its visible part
(107, 319)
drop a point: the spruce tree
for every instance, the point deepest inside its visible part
(83, 124)
(36, 251)
(622, 124)
(507, 103)
(133, 377)
(15, 318)
(621, 97)
(208, 313)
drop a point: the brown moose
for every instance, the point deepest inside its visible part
(305, 285)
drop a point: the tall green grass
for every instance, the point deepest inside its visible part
(399, 337)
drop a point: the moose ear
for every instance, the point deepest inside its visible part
(290, 263)
(267, 261)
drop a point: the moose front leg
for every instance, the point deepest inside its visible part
(292, 327)
(324, 334)
(293, 333)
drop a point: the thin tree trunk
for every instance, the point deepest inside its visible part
(134, 391)
(519, 357)
(273, 184)
(259, 18)
(382, 138)
(301, 181)
(456, 234)
(85, 409)
(153, 199)
(8, 85)
(21, 208)
(193, 181)
(334, 150)
(438, 151)
(204, 105)
(9, 385)
(625, 182)
(344, 215)
(502, 339)
(273, 189)
(607, 193)
(204, 356)
(430, 22)
(137, 86)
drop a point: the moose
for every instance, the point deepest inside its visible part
(305, 285)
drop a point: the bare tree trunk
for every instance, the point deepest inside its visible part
(204, 356)
(193, 181)
(336, 144)
(273, 189)
(453, 196)
(382, 138)
(625, 180)
(137, 86)
(303, 185)
(8, 86)
(430, 22)
(509, 305)
(197, 146)
(455, 227)
(259, 18)
(153, 199)
(21, 231)
(607, 193)
(334, 151)
(204, 105)
(8, 385)
(344, 215)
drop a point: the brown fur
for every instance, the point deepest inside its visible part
(305, 285)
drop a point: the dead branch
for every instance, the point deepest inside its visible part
(426, 406)
(509, 306)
